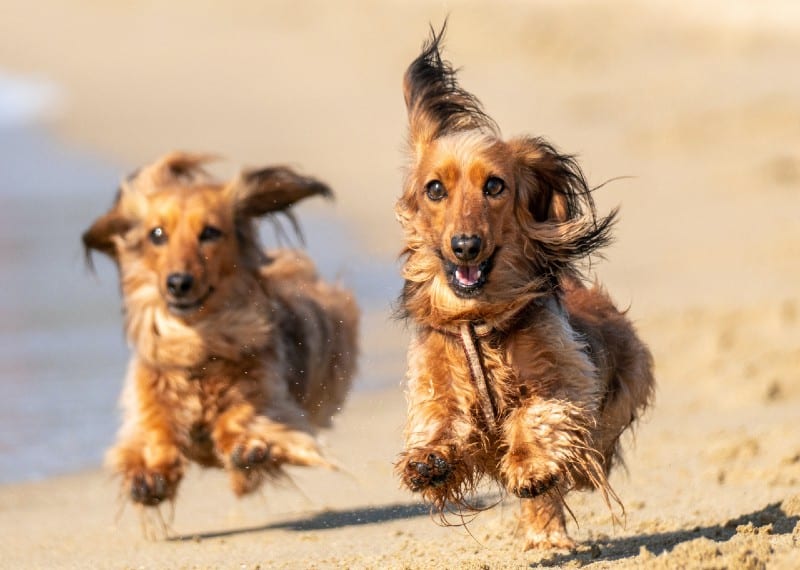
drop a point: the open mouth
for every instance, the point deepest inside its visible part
(181, 307)
(468, 280)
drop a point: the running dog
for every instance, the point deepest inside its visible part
(517, 370)
(239, 354)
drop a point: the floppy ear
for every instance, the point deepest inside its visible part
(553, 192)
(260, 192)
(435, 102)
(551, 184)
(102, 233)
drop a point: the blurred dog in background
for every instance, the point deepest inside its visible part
(240, 354)
(517, 370)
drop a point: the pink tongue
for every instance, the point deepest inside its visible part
(466, 274)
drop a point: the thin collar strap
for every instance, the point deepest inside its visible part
(467, 334)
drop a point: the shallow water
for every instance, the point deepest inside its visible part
(62, 351)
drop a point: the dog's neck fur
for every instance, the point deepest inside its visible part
(421, 302)
(499, 324)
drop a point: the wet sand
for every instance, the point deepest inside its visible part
(697, 105)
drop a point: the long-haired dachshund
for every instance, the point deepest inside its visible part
(517, 370)
(239, 353)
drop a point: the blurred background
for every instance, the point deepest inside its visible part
(697, 104)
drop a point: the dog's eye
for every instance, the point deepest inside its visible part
(435, 190)
(158, 236)
(493, 186)
(210, 233)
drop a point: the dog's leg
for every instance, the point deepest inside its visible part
(433, 462)
(438, 460)
(542, 521)
(254, 447)
(146, 455)
(537, 447)
(547, 445)
(548, 442)
(151, 468)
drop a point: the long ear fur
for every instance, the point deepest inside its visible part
(274, 189)
(435, 102)
(437, 106)
(100, 236)
(556, 203)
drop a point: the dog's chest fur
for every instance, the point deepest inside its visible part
(543, 357)
(195, 398)
(192, 373)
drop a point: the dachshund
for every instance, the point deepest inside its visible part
(239, 354)
(518, 371)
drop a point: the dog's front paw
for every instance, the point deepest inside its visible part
(151, 487)
(269, 451)
(528, 477)
(438, 474)
(434, 471)
(251, 455)
(258, 457)
(251, 462)
(425, 468)
(531, 489)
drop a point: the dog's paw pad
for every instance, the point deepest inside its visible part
(247, 457)
(149, 489)
(433, 472)
(535, 488)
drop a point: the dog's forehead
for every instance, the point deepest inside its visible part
(472, 155)
(202, 202)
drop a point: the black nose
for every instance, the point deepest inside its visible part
(466, 248)
(178, 284)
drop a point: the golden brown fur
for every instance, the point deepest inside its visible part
(495, 234)
(239, 354)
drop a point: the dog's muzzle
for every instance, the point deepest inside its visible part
(467, 280)
(182, 307)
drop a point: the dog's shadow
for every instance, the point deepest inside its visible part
(599, 550)
(330, 519)
(324, 520)
(628, 547)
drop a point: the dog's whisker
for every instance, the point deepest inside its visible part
(610, 180)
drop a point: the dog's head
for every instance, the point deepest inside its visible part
(488, 223)
(179, 237)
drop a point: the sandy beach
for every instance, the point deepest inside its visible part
(696, 108)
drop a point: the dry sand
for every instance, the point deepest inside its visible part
(699, 105)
